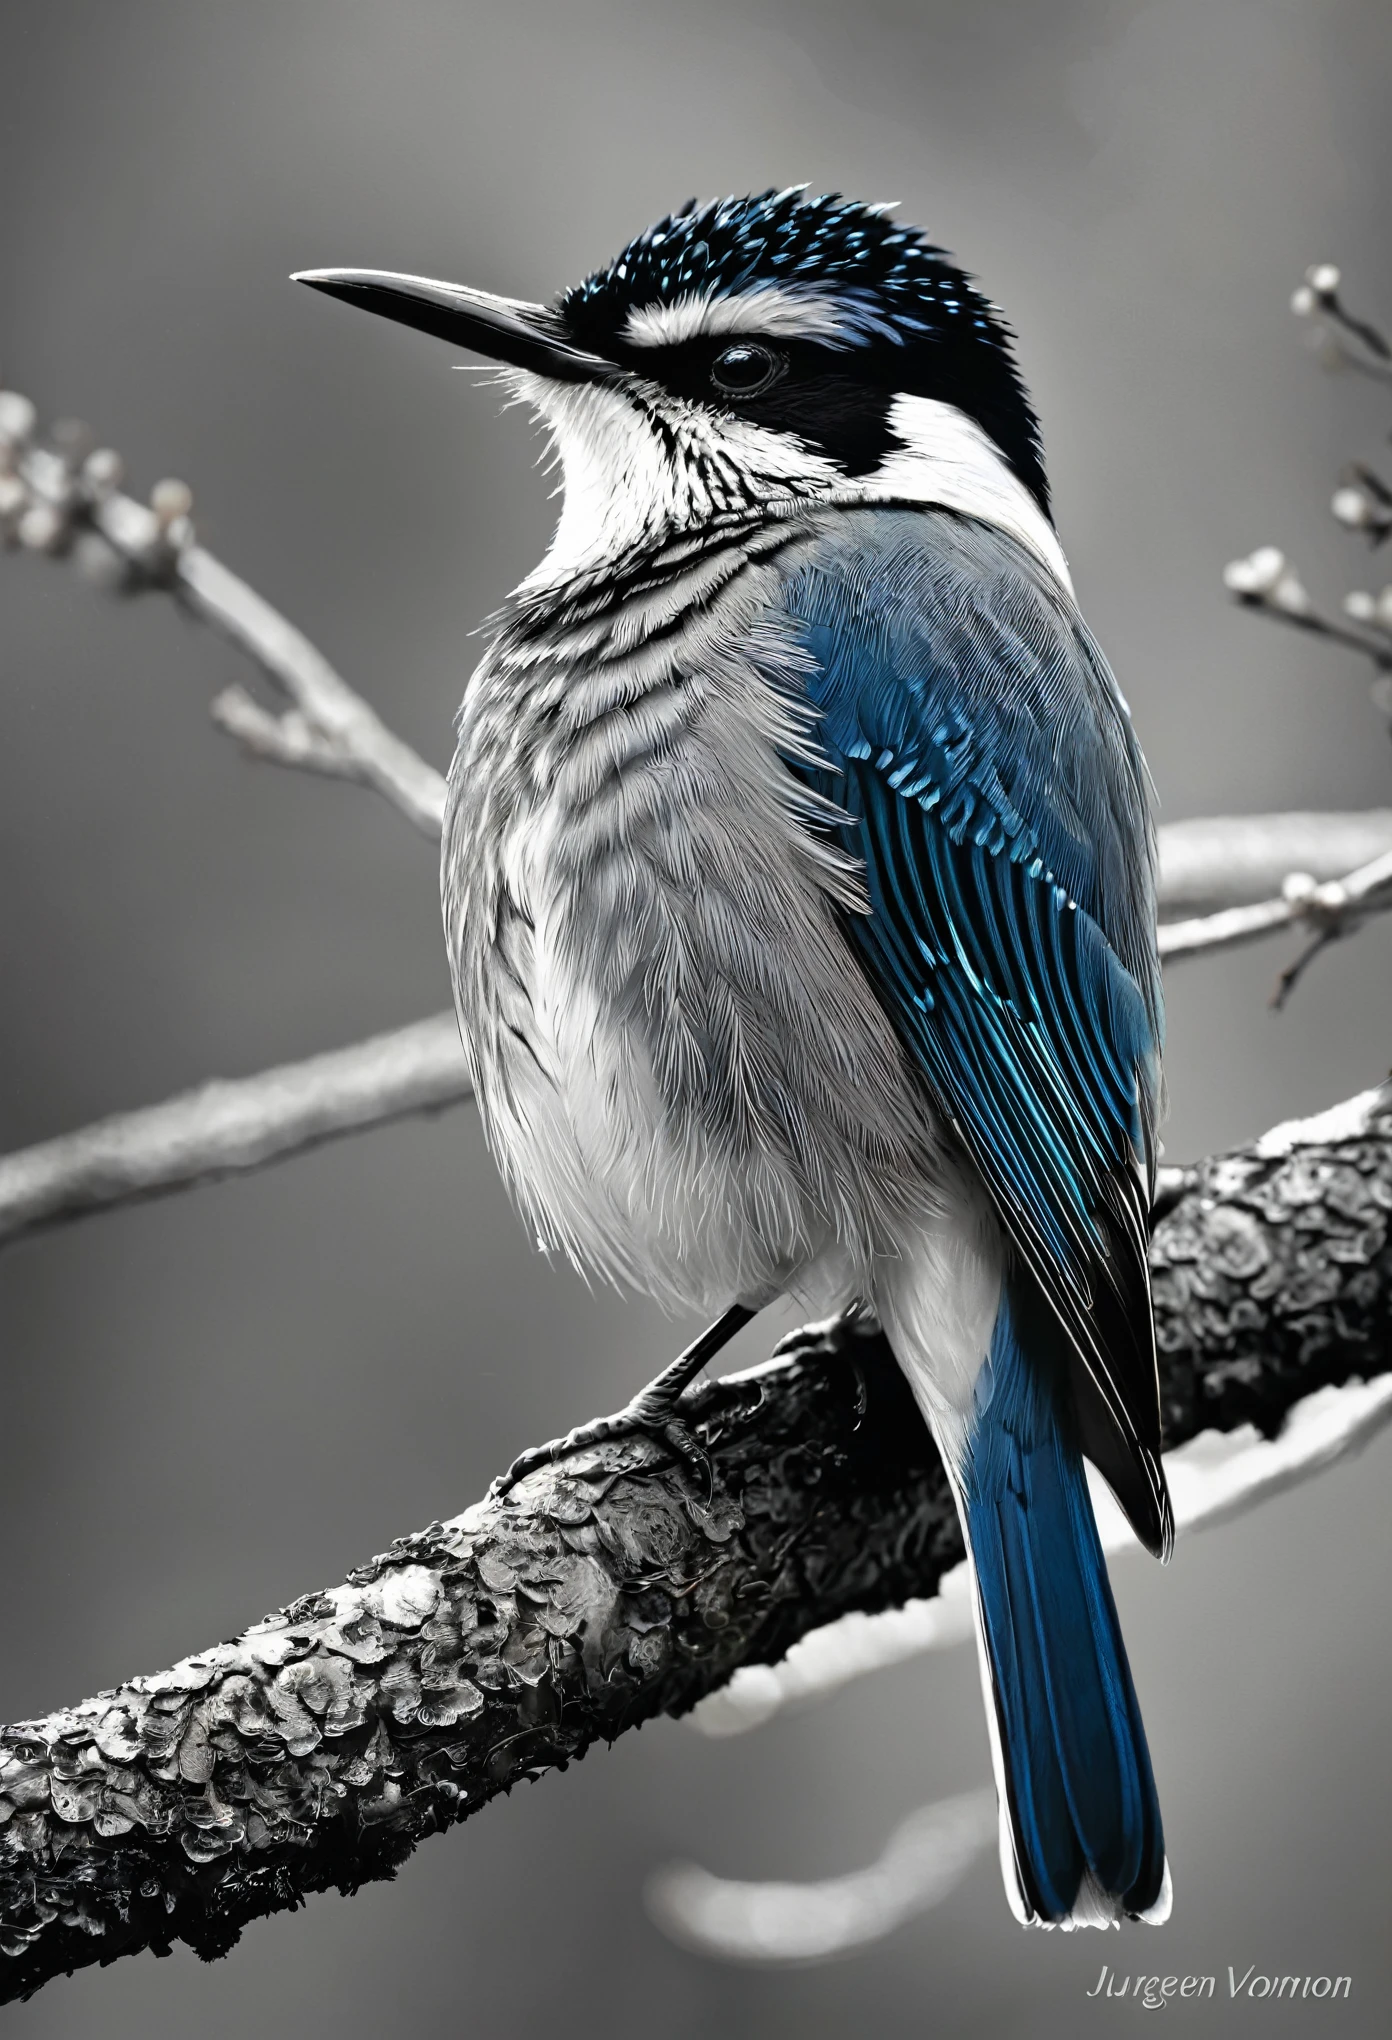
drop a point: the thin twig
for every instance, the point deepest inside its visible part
(1319, 293)
(1376, 649)
(1225, 930)
(53, 501)
(337, 716)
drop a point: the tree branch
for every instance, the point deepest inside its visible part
(318, 1749)
(1233, 860)
(229, 1127)
(1329, 909)
(225, 1128)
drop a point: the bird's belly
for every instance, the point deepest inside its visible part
(688, 1085)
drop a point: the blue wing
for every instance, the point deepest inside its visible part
(982, 756)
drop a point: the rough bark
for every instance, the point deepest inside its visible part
(321, 1747)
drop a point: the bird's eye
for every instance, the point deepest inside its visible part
(746, 369)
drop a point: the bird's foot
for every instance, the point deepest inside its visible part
(654, 1413)
(647, 1416)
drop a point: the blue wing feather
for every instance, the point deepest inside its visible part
(978, 747)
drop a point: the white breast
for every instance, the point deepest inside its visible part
(686, 1080)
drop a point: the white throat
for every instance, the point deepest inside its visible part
(629, 481)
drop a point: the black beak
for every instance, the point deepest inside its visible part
(505, 329)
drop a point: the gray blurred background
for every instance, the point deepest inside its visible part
(211, 1404)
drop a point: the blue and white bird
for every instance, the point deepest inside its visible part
(799, 894)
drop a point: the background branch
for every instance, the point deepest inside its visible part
(60, 500)
(1233, 860)
(318, 1749)
(924, 1859)
(1330, 909)
(228, 1127)
(225, 1128)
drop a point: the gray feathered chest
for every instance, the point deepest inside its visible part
(683, 1074)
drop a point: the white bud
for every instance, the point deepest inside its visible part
(42, 528)
(1258, 574)
(1303, 301)
(1352, 507)
(1297, 885)
(170, 500)
(17, 417)
(103, 471)
(13, 497)
(1288, 595)
(1323, 279)
(1359, 604)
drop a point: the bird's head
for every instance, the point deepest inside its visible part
(749, 352)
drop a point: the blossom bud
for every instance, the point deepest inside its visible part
(1288, 595)
(1355, 507)
(42, 528)
(17, 418)
(103, 471)
(170, 500)
(1257, 575)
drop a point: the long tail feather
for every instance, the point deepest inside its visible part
(1081, 1827)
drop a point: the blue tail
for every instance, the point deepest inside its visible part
(1073, 1768)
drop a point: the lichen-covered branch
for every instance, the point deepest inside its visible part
(225, 1128)
(318, 1749)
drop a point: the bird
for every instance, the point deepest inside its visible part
(798, 888)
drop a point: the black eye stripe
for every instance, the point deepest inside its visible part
(746, 368)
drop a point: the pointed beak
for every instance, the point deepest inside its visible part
(505, 329)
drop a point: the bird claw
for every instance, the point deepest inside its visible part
(654, 1413)
(649, 1415)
